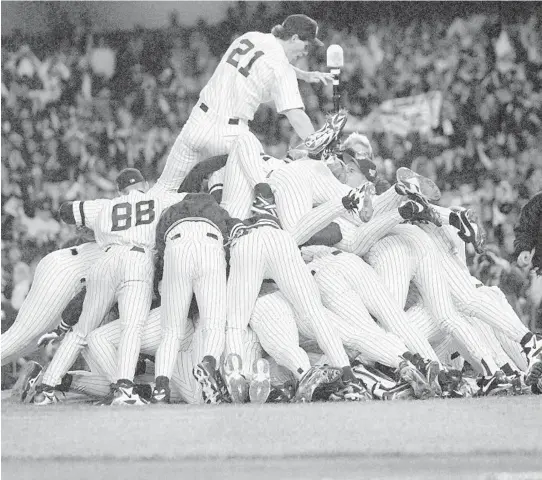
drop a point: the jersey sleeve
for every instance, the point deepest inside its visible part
(86, 213)
(285, 90)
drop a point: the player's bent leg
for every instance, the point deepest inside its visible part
(296, 283)
(243, 169)
(244, 282)
(186, 152)
(274, 322)
(176, 298)
(210, 289)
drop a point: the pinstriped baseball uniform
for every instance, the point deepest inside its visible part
(56, 281)
(104, 341)
(352, 290)
(190, 237)
(407, 254)
(125, 228)
(246, 157)
(268, 252)
(276, 325)
(466, 296)
(253, 70)
(447, 240)
(303, 184)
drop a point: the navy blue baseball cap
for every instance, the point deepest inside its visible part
(305, 27)
(129, 176)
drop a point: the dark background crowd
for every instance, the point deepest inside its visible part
(78, 106)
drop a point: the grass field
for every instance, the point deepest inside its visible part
(487, 438)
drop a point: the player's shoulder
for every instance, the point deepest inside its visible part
(267, 43)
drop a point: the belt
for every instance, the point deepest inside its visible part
(211, 235)
(133, 249)
(231, 121)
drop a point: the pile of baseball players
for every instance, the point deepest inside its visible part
(241, 277)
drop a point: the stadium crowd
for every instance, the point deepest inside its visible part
(78, 108)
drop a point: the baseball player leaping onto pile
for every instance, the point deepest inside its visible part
(125, 228)
(256, 68)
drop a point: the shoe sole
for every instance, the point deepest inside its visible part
(235, 381)
(367, 208)
(260, 385)
(428, 188)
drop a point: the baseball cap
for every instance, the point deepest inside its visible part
(305, 27)
(365, 163)
(129, 176)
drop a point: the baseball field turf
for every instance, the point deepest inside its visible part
(486, 438)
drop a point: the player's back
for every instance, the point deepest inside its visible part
(131, 219)
(245, 76)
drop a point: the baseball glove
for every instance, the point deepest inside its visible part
(325, 137)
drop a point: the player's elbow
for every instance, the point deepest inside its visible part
(66, 213)
(300, 122)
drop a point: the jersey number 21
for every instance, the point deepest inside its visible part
(240, 51)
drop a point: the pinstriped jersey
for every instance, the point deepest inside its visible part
(126, 220)
(254, 70)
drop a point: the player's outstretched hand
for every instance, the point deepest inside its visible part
(47, 337)
(318, 77)
(525, 258)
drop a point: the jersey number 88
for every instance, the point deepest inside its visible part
(121, 216)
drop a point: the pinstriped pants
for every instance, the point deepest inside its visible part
(204, 135)
(120, 274)
(267, 252)
(194, 263)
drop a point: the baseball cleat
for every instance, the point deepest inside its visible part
(415, 184)
(354, 391)
(308, 383)
(260, 384)
(205, 373)
(366, 208)
(45, 395)
(465, 220)
(319, 140)
(161, 392)
(236, 382)
(25, 388)
(534, 372)
(264, 200)
(495, 385)
(282, 393)
(417, 211)
(125, 394)
(412, 376)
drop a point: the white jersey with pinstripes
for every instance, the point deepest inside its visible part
(126, 220)
(254, 70)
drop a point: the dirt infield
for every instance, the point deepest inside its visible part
(489, 438)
